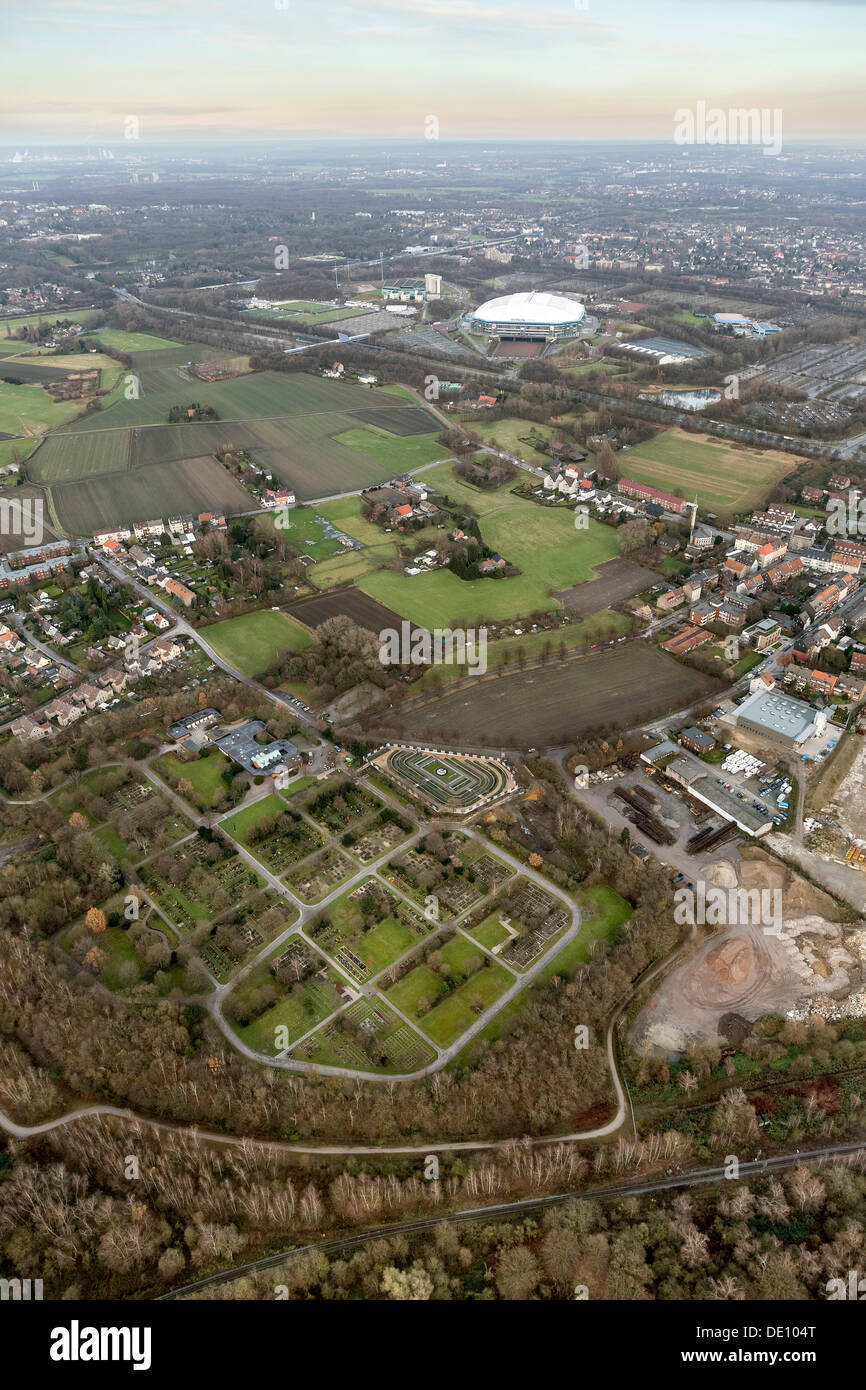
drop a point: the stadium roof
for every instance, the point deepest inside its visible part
(530, 307)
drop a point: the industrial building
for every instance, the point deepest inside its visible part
(780, 719)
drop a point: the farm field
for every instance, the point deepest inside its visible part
(726, 477)
(252, 641)
(16, 539)
(543, 707)
(615, 580)
(71, 361)
(542, 541)
(291, 424)
(60, 457)
(352, 603)
(193, 485)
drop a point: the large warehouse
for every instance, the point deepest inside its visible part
(531, 316)
(779, 718)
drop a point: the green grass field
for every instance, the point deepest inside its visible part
(29, 410)
(60, 457)
(119, 341)
(542, 541)
(398, 455)
(726, 477)
(203, 774)
(507, 435)
(239, 825)
(458, 1011)
(303, 531)
(254, 640)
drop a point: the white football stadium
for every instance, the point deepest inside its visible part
(532, 316)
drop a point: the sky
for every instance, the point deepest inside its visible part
(75, 70)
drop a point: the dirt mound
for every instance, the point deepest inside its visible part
(732, 961)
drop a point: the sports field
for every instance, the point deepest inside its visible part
(725, 476)
(455, 782)
(252, 641)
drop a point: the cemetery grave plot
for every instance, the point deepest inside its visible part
(291, 990)
(279, 839)
(491, 873)
(368, 1036)
(321, 875)
(188, 892)
(364, 931)
(450, 781)
(422, 873)
(377, 839)
(242, 931)
(449, 989)
(341, 804)
(538, 918)
(132, 816)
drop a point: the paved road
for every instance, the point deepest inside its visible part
(44, 648)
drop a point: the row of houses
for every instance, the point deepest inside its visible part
(111, 538)
(98, 691)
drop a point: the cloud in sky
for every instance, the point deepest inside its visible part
(377, 67)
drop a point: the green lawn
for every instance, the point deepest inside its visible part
(204, 773)
(401, 453)
(29, 410)
(490, 932)
(239, 825)
(254, 640)
(609, 911)
(456, 1013)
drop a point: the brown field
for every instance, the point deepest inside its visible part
(553, 705)
(351, 603)
(189, 485)
(617, 580)
(14, 540)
